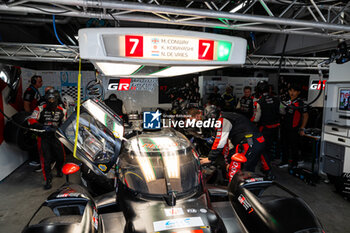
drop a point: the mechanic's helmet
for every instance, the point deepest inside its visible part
(68, 101)
(52, 96)
(262, 87)
(211, 111)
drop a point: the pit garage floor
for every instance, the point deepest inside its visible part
(22, 193)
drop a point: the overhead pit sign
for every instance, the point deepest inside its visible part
(176, 48)
(160, 47)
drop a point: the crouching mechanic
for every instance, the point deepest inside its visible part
(242, 133)
(49, 117)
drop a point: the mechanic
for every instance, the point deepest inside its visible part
(242, 133)
(196, 97)
(116, 105)
(293, 125)
(49, 117)
(32, 96)
(267, 117)
(60, 102)
(271, 90)
(230, 100)
(31, 100)
(215, 98)
(245, 104)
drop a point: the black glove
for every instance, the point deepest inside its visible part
(49, 129)
(213, 154)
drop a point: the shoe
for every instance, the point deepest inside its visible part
(48, 184)
(283, 165)
(38, 169)
(53, 165)
(59, 173)
(34, 163)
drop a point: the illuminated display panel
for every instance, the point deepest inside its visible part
(132, 51)
(174, 48)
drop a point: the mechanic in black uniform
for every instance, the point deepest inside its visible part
(31, 99)
(49, 117)
(215, 98)
(240, 131)
(245, 104)
(229, 100)
(293, 125)
(267, 117)
(195, 97)
(116, 105)
(32, 96)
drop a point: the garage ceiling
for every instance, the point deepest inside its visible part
(314, 26)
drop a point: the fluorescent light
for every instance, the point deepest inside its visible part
(237, 8)
(121, 69)
(181, 70)
(116, 69)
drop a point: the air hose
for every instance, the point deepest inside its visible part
(320, 90)
(319, 71)
(20, 126)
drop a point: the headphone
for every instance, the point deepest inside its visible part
(34, 78)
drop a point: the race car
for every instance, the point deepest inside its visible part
(158, 187)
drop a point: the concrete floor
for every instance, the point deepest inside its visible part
(22, 193)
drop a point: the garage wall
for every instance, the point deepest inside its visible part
(144, 98)
(339, 72)
(134, 100)
(11, 156)
(312, 94)
(64, 81)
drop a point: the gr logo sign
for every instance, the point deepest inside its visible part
(119, 84)
(316, 85)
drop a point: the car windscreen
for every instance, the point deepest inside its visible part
(94, 138)
(99, 135)
(159, 165)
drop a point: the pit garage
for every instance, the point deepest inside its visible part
(174, 116)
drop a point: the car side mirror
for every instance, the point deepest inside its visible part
(70, 168)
